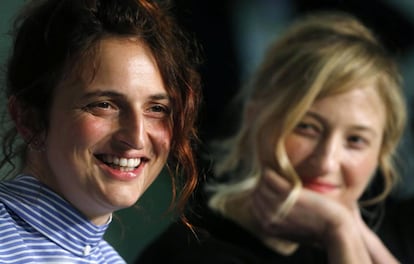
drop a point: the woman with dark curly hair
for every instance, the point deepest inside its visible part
(102, 95)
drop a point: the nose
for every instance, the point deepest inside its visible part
(132, 130)
(326, 157)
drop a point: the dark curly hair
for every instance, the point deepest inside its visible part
(51, 37)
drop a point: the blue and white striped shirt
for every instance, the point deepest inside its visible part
(39, 226)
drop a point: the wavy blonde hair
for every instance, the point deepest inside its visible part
(320, 55)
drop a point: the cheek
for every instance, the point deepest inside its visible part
(298, 149)
(164, 141)
(266, 152)
(69, 144)
(161, 137)
(88, 130)
(359, 173)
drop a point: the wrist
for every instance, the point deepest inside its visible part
(344, 243)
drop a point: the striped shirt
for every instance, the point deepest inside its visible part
(39, 226)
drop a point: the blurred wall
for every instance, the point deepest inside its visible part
(7, 9)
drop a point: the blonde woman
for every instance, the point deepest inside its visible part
(324, 113)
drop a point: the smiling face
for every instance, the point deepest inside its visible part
(109, 138)
(335, 147)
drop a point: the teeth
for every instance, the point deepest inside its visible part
(122, 162)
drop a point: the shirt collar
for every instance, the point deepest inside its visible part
(51, 215)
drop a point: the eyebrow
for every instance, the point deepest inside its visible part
(113, 94)
(354, 127)
(160, 96)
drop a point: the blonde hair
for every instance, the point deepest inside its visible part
(322, 54)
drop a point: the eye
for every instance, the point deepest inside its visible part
(103, 105)
(308, 129)
(100, 108)
(159, 110)
(357, 142)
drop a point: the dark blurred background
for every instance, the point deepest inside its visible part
(233, 36)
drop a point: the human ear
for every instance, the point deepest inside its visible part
(23, 118)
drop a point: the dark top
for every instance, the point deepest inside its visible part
(224, 242)
(397, 229)
(217, 240)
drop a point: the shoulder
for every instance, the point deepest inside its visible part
(10, 238)
(6, 216)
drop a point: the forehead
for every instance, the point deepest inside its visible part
(87, 62)
(361, 104)
(121, 64)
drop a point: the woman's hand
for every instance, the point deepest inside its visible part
(378, 252)
(313, 219)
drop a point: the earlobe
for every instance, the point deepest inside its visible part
(20, 116)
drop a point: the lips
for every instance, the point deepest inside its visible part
(321, 187)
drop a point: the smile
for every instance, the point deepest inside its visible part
(123, 164)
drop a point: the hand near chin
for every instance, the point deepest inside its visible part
(313, 219)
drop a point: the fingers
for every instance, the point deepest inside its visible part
(270, 191)
(262, 214)
(275, 182)
(268, 200)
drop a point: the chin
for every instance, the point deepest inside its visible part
(123, 199)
